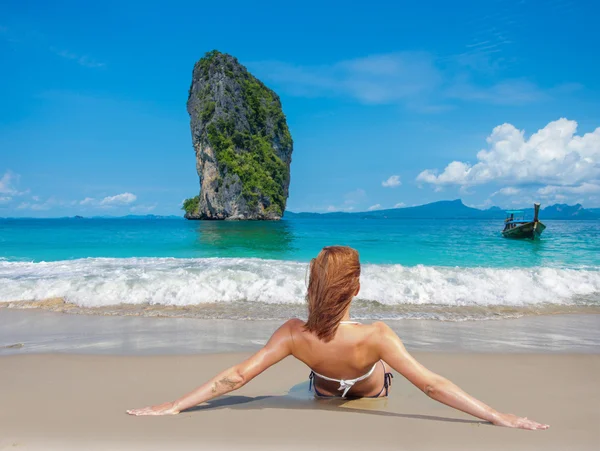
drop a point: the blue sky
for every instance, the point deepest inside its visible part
(389, 103)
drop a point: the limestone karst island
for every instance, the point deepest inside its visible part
(242, 142)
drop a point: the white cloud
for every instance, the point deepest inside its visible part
(584, 188)
(374, 207)
(553, 155)
(392, 182)
(88, 201)
(119, 199)
(114, 201)
(508, 191)
(7, 184)
(5, 199)
(400, 205)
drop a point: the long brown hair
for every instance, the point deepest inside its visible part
(334, 280)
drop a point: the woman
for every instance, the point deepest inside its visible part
(347, 358)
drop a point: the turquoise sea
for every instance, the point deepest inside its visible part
(440, 269)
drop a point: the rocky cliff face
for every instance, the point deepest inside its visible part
(242, 143)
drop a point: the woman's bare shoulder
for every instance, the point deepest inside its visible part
(375, 326)
(296, 329)
(379, 330)
(381, 326)
(295, 324)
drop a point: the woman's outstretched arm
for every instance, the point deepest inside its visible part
(437, 387)
(278, 347)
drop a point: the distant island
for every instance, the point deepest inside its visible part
(455, 209)
(242, 142)
(445, 209)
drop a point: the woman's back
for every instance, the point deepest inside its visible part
(350, 354)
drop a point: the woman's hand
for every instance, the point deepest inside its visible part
(512, 421)
(168, 408)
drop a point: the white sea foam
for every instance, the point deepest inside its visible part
(99, 282)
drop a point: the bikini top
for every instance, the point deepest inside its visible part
(347, 384)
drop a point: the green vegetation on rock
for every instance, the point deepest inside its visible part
(191, 205)
(241, 119)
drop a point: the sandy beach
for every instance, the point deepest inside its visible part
(192, 191)
(78, 401)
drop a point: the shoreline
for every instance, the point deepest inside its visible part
(264, 311)
(73, 402)
(35, 331)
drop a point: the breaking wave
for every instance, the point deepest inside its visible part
(257, 288)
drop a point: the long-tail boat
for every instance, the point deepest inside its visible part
(515, 226)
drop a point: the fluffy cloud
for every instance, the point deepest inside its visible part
(584, 188)
(553, 156)
(508, 191)
(119, 199)
(88, 201)
(561, 194)
(392, 182)
(374, 207)
(400, 205)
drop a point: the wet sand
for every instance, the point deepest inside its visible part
(38, 331)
